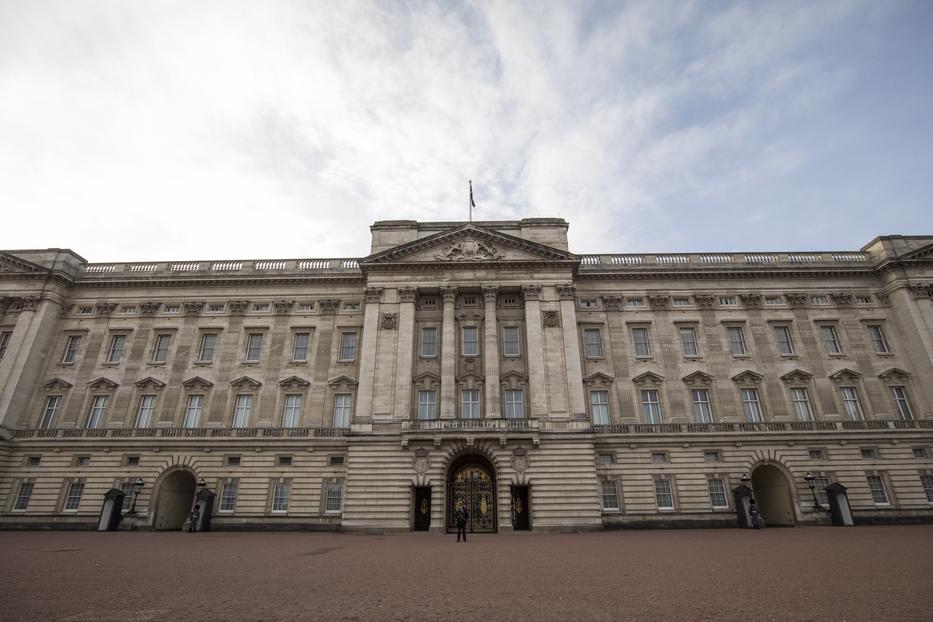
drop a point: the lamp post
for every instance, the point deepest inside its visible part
(745, 478)
(201, 484)
(137, 487)
(810, 482)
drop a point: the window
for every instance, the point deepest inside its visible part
(599, 401)
(736, 340)
(878, 493)
(253, 346)
(351, 306)
(342, 403)
(610, 493)
(216, 308)
(291, 412)
(680, 302)
(920, 452)
(305, 306)
(511, 341)
(208, 343)
(71, 348)
(98, 410)
(128, 490)
(712, 456)
(145, 411)
(132, 461)
(22, 496)
(830, 339)
(640, 339)
(470, 341)
(82, 461)
(117, 345)
(717, 493)
(193, 411)
(592, 343)
(233, 461)
(801, 401)
(469, 404)
(819, 299)
(635, 302)
(514, 404)
(280, 492)
(469, 301)
(867, 453)
(284, 460)
(903, 404)
(35, 461)
(73, 496)
(606, 459)
(650, 406)
(242, 409)
(816, 455)
(728, 301)
(336, 461)
(427, 404)
(659, 456)
(429, 342)
(819, 487)
(751, 405)
(774, 300)
(784, 343)
(333, 494)
(52, 404)
(160, 348)
(927, 482)
(347, 347)
(228, 495)
(688, 340)
(261, 306)
(4, 342)
(588, 303)
(851, 403)
(664, 494)
(171, 309)
(702, 413)
(878, 342)
(300, 347)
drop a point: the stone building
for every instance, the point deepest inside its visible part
(479, 363)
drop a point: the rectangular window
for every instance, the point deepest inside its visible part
(801, 401)
(717, 493)
(702, 413)
(228, 495)
(774, 300)
(920, 452)
(784, 343)
(659, 456)
(291, 412)
(300, 347)
(4, 342)
(903, 404)
(851, 403)
(927, 482)
(751, 405)
(98, 411)
(514, 404)
(336, 461)
(71, 348)
(728, 301)
(688, 341)
(128, 490)
(592, 343)
(233, 460)
(640, 340)
(819, 300)
(878, 342)
(878, 493)
(470, 341)
(816, 455)
(664, 494)
(284, 460)
(711, 456)
(145, 411)
(511, 341)
(429, 342)
(830, 339)
(427, 405)
(73, 498)
(117, 345)
(651, 406)
(610, 494)
(819, 486)
(280, 493)
(347, 347)
(333, 496)
(22, 496)
(132, 461)
(52, 404)
(736, 340)
(867, 453)
(208, 344)
(680, 302)
(34, 461)
(242, 409)
(82, 461)
(193, 411)
(160, 348)
(253, 346)
(469, 404)
(606, 459)
(599, 402)
(342, 405)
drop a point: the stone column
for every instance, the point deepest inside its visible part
(576, 401)
(536, 376)
(367, 364)
(493, 402)
(406, 351)
(449, 356)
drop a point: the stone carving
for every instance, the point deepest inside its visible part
(842, 299)
(238, 307)
(921, 290)
(65, 312)
(373, 294)
(659, 302)
(751, 301)
(566, 291)
(422, 461)
(704, 301)
(449, 294)
(193, 307)
(490, 293)
(329, 306)
(389, 320)
(531, 292)
(407, 294)
(148, 309)
(613, 303)
(104, 309)
(283, 306)
(469, 249)
(883, 299)
(796, 299)
(520, 459)
(551, 318)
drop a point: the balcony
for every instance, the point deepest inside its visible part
(137, 433)
(765, 426)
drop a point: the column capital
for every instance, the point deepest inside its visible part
(449, 294)
(531, 292)
(567, 291)
(490, 293)
(407, 294)
(373, 294)
(612, 303)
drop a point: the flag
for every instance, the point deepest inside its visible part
(472, 204)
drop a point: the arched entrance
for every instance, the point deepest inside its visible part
(471, 482)
(175, 500)
(773, 495)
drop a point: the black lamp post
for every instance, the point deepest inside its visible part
(809, 479)
(201, 484)
(137, 487)
(745, 478)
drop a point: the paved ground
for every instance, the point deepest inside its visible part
(861, 573)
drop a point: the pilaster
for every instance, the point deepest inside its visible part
(449, 355)
(493, 402)
(405, 352)
(576, 402)
(367, 364)
(536, 373)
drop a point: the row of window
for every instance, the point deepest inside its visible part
(82, 460)
(636, 302)
(714, 456)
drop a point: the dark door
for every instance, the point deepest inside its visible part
(422, 508)
(520, 520)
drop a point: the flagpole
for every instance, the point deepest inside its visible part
(472, 204)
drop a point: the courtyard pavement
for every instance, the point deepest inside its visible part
(825, 574)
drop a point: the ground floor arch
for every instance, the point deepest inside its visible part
(175, 498)
(471, 483)
(774, 495)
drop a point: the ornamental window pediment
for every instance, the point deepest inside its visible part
(894, 375)
(197, 383)
(747, 377)
(149, 384)
(598, 380)
(513, 380)
(845, 375)
(102, 384)
(698, 378)
(57, 384)
(648, 379)
(245, 382)
(293, 383)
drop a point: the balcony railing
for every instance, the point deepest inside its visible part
(718, 260)
(180, 432)
(252, 267)
(765, 426)
(471, 424)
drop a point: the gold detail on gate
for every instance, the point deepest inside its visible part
(424, 506)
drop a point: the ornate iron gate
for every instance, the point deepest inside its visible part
(474, 489)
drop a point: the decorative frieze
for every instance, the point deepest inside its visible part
(372, 294)
(449, 295)
(282, 307)
(469, 249)
(921, 290)
(797, 299)
(704, 301)
(193, 307)
(148, 308)
(613, 303)
(389, 321)
(407, 294)
(237, 307)
(842, 299)
(566, 291)
(751, 301)
(105, 309)
(883, 299)
(329, 305)
(490, 293)
(551, 318)
(659, 302)
(531, 292)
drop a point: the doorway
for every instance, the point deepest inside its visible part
(471, 483)
(176, 497)
(773, 496)
(422, 508)
(520, 511)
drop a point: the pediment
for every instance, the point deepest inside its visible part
(426, 376)
(57, 384)
(698, 377)
(11, 263)
(924, 252)
(747, 377)
(342, 380)
(102, 384)
(197, 382)
(797, 376)
(648, 377)
(513, 374)
(246, 382)
(598, 378)
(470, 375)
(294, 382)
(150, 383)
(845, 375)
(894, 374)
(468, 244)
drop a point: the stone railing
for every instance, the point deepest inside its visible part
(471, 424)
(136, 433)
(718, 260)
(251, 267)
(766, 426)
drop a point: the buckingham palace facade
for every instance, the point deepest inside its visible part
(476, 363)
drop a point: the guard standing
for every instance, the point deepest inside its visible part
(753, 512)
(462, 517)
(195, 517)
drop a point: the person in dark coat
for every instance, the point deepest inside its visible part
(754, 513)
(462, 516)
(195, 517)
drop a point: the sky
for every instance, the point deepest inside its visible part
(134, 131)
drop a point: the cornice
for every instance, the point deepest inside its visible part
(642, 275)
(120, 282)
